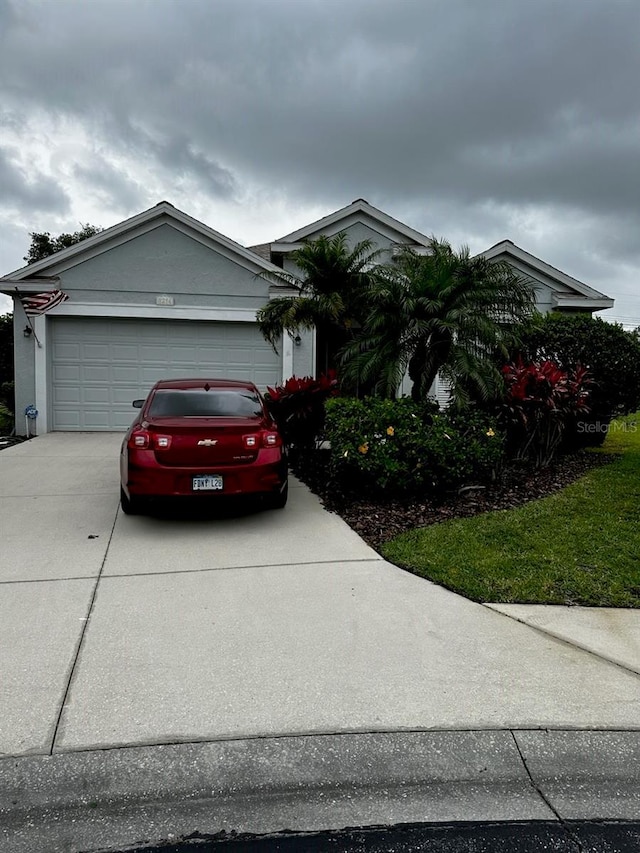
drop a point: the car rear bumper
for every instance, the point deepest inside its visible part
(143, 476)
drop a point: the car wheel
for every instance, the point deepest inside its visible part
(130, 505)
(279, 500)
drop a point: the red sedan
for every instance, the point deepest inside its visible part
(202, 437)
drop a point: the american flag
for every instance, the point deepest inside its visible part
(40, 303)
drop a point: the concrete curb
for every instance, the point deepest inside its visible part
(115, 798)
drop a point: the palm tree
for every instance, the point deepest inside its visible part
(444, 312)
(329, 294)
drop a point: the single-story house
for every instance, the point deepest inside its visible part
(163, 295)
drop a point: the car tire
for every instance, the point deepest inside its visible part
(130, 505)
(279, 500)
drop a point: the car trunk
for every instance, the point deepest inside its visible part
(205, 442)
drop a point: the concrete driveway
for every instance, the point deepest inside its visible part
(123, 630)
(269, 671)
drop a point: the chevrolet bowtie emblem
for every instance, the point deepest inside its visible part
(207, 442)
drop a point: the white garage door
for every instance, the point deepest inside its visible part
(98, 366)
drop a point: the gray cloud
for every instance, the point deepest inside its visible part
(28, 191)
(467, 112)
(183, 162)
(116, 189)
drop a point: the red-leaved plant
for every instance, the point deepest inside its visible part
(298, 407)
(540, 400)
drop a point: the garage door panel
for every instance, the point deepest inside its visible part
(124, 396)
(154, 352)
(183, 355)
(96, 395)
(211, 355)
(66, 394)
(182, 333)
(98, 419)
(98, 367)
(122, 352)
(96, 352)
(263, 378)
(66, 420)
(96, 373)
(67, 351)
(66, 373)
(122, 374)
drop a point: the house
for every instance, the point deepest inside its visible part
(163, 295)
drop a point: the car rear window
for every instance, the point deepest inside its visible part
(197, 403)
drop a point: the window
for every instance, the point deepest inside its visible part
(196, 403)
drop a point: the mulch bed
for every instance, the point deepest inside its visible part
(378, 520)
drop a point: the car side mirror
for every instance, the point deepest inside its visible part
(138, 404)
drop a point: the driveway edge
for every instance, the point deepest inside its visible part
(115, 798)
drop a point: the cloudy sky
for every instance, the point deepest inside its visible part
(474, 120)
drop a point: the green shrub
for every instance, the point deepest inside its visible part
(611, 356)
(7, 407)
(7, 395)
(6, 420)
(401, 447)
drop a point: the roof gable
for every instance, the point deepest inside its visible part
(161, 214)
(358, 211)
(569, 292)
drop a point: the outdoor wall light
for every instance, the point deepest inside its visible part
(28, 331)
(297, 340)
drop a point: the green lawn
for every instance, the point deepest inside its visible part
(578, 546)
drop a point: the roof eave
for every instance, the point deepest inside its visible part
(509, 248)
(358, 206)
(11, 286)
(163, 208)
(586, 302)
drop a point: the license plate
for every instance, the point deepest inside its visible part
(210, 483)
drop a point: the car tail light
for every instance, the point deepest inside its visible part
(139, 439)
(143, 440)
(262, 439)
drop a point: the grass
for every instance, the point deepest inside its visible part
(578, 546)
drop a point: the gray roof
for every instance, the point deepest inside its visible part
(263, 250)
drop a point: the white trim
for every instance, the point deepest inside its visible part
(153, 312)
(10, 286)
(287, 356)
(358, 206)
(286, 247)
(571, 301)
(41, 373)
(506, 247)
(163, 213)
(280, 291)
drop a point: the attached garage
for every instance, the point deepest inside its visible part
(160, 295)
(99, 365)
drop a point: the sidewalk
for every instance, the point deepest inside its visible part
(270, 642)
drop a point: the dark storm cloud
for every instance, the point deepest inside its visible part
(517, 101)
(112, 186)
(179, 157)
(28, 191)
(434, 105)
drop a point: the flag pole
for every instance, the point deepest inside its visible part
(33, 331)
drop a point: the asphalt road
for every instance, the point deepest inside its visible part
(508, 837)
